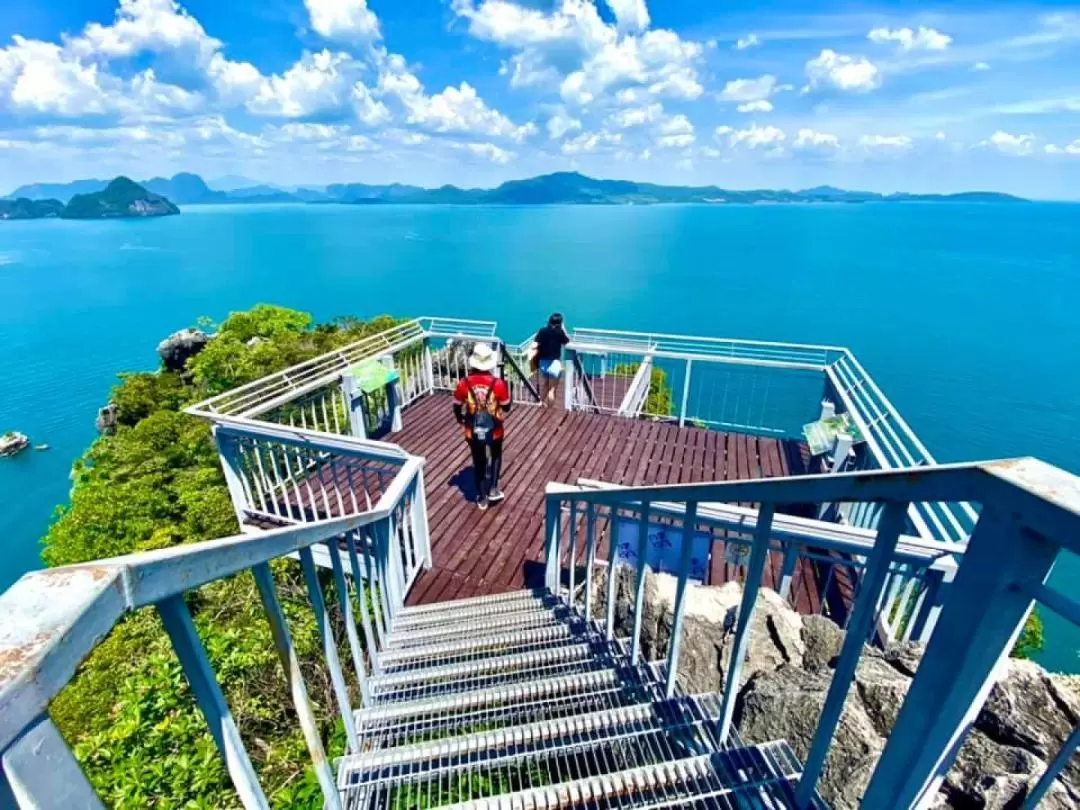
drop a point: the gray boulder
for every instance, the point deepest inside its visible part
(107, 419)
(177, 348)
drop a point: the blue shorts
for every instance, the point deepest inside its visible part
(545, 369)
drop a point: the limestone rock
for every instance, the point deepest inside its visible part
(175, 350)
(107, 419)
(822, 641)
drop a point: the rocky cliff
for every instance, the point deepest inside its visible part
(121, 198)
(787, 674)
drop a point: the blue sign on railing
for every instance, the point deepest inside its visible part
(664, 548)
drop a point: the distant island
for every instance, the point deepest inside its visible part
(120, 199)
(560, 188)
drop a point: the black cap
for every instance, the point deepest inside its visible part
(555, 319)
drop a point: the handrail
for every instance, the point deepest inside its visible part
(59, 615)
(1030, 512)
(509, 358)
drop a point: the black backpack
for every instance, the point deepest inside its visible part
(482, 419)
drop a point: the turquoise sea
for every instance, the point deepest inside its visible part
(968, 316)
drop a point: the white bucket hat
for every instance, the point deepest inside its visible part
(483, 357)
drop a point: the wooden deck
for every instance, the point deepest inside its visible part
(501, 549)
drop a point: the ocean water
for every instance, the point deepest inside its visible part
(966, 315)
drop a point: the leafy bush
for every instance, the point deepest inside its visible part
(1030, 642)
(128, 713)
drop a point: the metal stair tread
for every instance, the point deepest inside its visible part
(588, 729)
(525, 619)
(469, 613)
(478, 645)
(451, 604)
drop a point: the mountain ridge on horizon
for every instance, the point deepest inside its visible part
(567, 187)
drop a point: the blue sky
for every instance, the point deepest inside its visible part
(898, 96)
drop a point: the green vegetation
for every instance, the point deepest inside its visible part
(1030, 642)
(22, 208)
(157, 482)
(659, 400)
(121, 198)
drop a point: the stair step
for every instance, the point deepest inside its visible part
(460, 651)
(589, 730)
(551, 698)
(524, 619)
(751, 778)
(530, 757)
(469, 614)
(488, 599)
(565, 659)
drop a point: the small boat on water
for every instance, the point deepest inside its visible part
(40, 447)
(13, 442)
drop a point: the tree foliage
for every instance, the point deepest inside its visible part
(1030, 642)
(157, 482)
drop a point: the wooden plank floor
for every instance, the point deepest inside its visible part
(501, 549)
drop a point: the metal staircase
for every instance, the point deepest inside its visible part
(515, 702)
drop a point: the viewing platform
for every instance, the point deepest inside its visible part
(473, 659)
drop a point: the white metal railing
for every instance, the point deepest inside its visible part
(1030, 512)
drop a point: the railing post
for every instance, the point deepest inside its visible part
(590, 557)
(755, 568)
(290, 664)
(326, 635)
(421, 525)
(928, 606)
(345, 604)
(354, 399)
(787, 571)
(429, 367)
(552, 531)
(394, 398)
(226, 446)
(42, 772)
(189, 649)
(974, 637)
(686, 555)
(862, 617)
(639, 593)
(568, 379)
(685, 392)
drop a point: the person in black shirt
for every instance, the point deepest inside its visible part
(549, 343)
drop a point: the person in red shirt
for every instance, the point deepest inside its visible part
(481, 402)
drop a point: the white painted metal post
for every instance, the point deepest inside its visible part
(421, 525)
(42, 772)
(787, 572)
(354, 400)
(429, 368)
(394, 396)
(568, 380)
(685, 392)
(552, 529)
(227, 453)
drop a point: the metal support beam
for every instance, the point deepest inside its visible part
(226, 446)
(686, 554)
(787, 572)
(568, 381)
(42, 773)
(354, 399)
(639, 594)
(974, 636)
(200, 675)
(552, 531)
(755, 569)
(290, 665)
(685, 392)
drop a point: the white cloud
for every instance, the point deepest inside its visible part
(850, 73)
(588, 141)
(369, 110)
(940, 136)
(636, 116)
(980, 66)
(885, 142)
(490, 151)
(145, 25)
(749, 89)
(749, 41)
(573, 48)
(460, 109)
(684, 164)
(814, 140)
(675, 133)
(755, 106)
(922, 39)
(317, 82)
(561, 123)
(1068, 149)
(753, 137)
(630, 15)
(347, 20)
(628, 95)
(1010, 144)
(41, 77)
